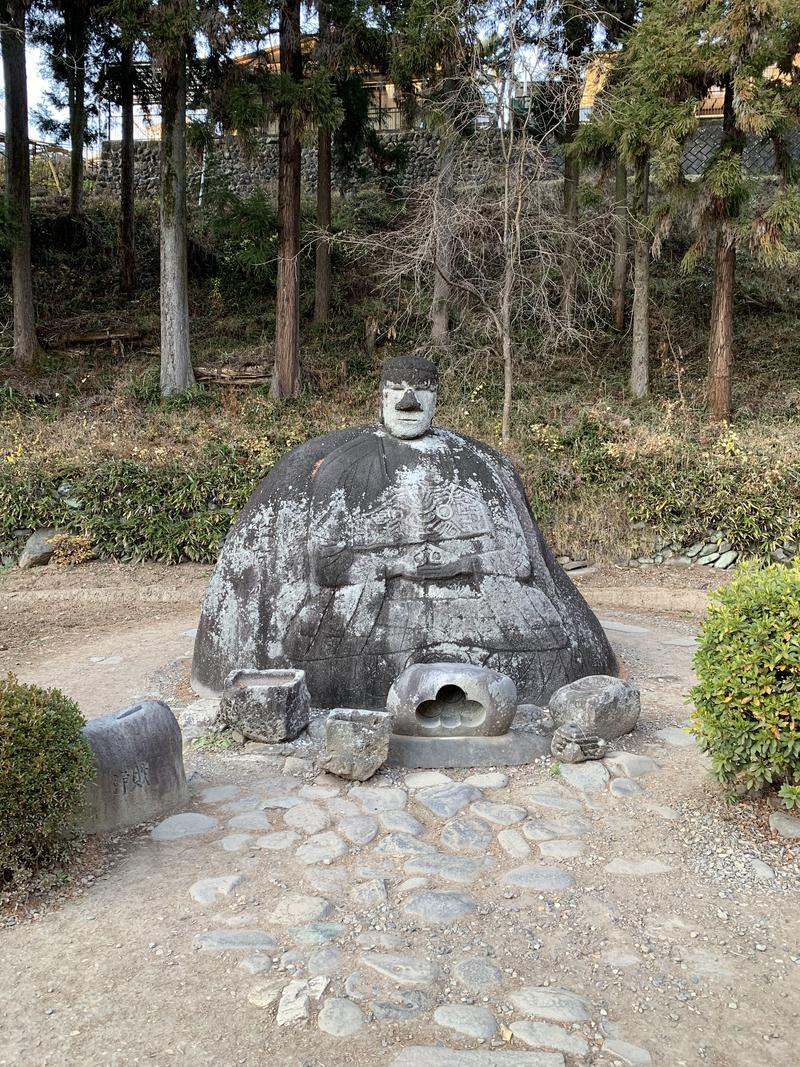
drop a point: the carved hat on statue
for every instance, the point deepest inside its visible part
(416, 370)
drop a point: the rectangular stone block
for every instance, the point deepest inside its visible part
(268, 706)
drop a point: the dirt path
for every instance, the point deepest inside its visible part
(560, 919)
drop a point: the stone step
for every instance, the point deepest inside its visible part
(434, 1056)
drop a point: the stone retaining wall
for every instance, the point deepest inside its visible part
(227, 166)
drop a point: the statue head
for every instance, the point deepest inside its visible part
(408, 396)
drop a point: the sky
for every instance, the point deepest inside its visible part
(37, 87)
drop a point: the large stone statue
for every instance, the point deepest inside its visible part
(369, 549)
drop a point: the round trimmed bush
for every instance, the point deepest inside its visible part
(747, 698)
(44, 763)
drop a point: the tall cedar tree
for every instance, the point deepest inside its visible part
(432, 69)
(644, 115)
(65, 31)
(18, 176)
(286, 372)
(751, 52)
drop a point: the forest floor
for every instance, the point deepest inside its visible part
(549, 914)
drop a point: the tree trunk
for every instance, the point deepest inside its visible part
(572, 174)
(620, 245)
(322, 273)
(640, 355)
(176, 364)
(76, 59)
(322, 276)
(127, 237)
(286, 375)
(18, 178)
(440, 303)
(720, 347)
(720, 341)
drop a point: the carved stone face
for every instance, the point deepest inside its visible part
(407, 410)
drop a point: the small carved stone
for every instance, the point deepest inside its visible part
(452, 700)
(138, 758)
(268, 706)
(571, 744)
(356, 742)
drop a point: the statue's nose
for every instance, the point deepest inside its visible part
(408, 402)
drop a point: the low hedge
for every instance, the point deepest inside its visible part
(44, 764)
(179, 510)
(747, 697)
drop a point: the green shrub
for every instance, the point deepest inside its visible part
(747, 698)
(44, 763)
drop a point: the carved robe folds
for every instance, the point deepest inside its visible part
(361, 553)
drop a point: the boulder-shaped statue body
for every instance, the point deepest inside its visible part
(369, 549)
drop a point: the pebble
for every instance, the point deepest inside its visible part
(785, 825)
(257, 964)
(235, 941)
(629, 765)
(327, 881)
(566, 826)
(340, 1017)
(296, 908)
(318, 792)
(588, 777)
(263, 996)
(452, 868)
(478, 1023)
(215, 794)
(402, 1007)
(762, 871)
(636, 868)
(307, 817)
(359, 829)
(405, 970)
(187, 824)
(293, 1005)
(548, 1035)
(447, 800)
(279, 840)
(442, 906)
(317, 933)
(425, 779)
(625, 787)
(321, 848)
(541, 878)
(549, 796)
(206, 890)
(249, 820)
(554, 1005)
(401, 822)
(466, 835)
(514, 844)
(500, 814)
(677, 737)
(280, 803)
(402, 845)
(561, 849)
(371, 894)
(488, 780)
(236, 842)
(478, 975)
(340, 806)
(436, 1056)
(375, 798)
(632, 1055)
(327, 960)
